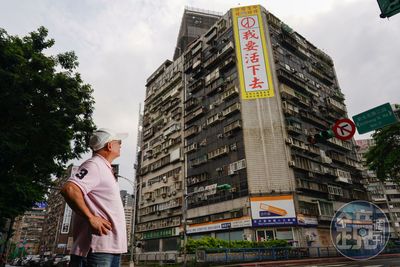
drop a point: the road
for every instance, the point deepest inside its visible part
(390, 262)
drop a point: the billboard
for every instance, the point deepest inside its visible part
(254, 69)
(273, 211)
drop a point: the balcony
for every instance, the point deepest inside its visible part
(290, 109)
(313, 119)
(325, 218)
(176, 113)
(229, 93)
(210, 35)
(197, 48)
(289, 41)
(324, 57)
(146, 120)
(320, 75)
(210, 62)
(297, 144)
(191, 148)
(195, 179)
(336, 105)
(196, 85)
(197, 113)
(218, 152)
(340, 144)
(343, 180)
(198, 161)
(191, 103)
(232, 127)
(294, 129)
(215, 87)
(231, 109)
(191, 131)
(229, 62)
(286, 92)
(148, 133)
(343, 177)
(303, 100)
(338, 95)
(226, 49)
(337, 157)
(291, 80)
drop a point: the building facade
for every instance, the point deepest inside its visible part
(160, 164)
(386, 195)
(28, 230)
(204, 127)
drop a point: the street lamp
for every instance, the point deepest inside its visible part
(209, 188)
(133, 219)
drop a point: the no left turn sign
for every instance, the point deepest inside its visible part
(344, 129)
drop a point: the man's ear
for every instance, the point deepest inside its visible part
(108, 146)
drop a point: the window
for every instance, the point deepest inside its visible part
(235, 166)
(335, 190)
(326, 208)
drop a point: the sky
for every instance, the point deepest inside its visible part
(119, 44)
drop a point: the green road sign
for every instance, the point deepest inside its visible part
(374, 118)
(389, 7)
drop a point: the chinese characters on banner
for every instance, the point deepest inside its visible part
(253, 64)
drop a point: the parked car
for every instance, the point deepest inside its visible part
(34, 261)
(56, 259)
(64, 262)
(25, 260)
(17, 262)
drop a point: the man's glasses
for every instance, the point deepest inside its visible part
(118, 141)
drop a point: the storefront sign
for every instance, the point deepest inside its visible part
(273, 211)
(159, 233)
(219, 225)
(306, 220)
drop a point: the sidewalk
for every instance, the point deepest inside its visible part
(306, 261)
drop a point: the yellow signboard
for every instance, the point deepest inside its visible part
(254, 70)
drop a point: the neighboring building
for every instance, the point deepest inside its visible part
(57, 234)
(127, 201)
(200, 130)
(28, 230)
(195, 22)
(384, 195)
(128, 219)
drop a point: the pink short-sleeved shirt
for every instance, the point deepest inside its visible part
(101, 193)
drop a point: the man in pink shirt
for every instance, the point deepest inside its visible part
(99, 229)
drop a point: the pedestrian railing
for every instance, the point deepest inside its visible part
(225, 255)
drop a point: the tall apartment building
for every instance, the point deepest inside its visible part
(161, 162)
(385, 195)
(236, 108)
(127, 202)
(28, 229)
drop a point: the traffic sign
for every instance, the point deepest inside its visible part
(389, 7)
(375, 118)
(344, 129)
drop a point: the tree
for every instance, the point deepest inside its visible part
(384, 156)
(46, 118)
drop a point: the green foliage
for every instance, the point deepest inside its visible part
(384, 156)
(214, 243)
(46, 118)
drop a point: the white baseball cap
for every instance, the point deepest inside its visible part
(102, 136)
